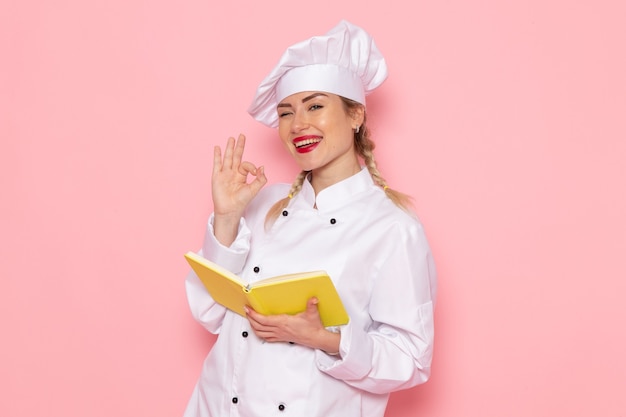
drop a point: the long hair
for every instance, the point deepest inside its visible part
(364, 146)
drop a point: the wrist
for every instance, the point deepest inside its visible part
(225, 228)
(227, 218)
(329, 342)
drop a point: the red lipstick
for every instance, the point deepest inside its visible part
(306, 143)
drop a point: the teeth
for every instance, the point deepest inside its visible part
(307, 142)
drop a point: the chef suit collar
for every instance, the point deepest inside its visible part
(338, 194)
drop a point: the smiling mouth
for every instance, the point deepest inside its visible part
(307, 142)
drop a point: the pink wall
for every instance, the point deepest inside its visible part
(505, 121)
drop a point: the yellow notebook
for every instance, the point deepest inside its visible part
(284, 294)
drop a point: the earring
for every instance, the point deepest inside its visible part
(357, 129)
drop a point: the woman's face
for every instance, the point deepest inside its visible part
(319, 133)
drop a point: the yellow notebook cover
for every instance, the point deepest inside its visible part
(284, 294)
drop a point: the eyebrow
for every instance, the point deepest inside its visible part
(304, 100)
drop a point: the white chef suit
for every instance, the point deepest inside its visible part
(380, 261)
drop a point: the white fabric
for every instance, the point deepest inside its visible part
(380, 261)
(345, 61)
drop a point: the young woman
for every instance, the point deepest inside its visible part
(339, 215)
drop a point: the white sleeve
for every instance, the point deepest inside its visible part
(395, 351)
(203, 308)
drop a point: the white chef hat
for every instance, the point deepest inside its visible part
(345, 62)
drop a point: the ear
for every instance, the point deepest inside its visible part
(358, 115)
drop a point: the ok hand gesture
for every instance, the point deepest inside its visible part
(231, 190)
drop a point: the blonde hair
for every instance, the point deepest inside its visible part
(364, 146)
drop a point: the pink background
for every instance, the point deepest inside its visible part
(504, 119)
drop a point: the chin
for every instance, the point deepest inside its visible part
(306, 168)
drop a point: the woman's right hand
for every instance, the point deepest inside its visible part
(231, 190)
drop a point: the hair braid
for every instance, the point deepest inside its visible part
(365, 148)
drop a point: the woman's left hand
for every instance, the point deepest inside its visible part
(304, 328)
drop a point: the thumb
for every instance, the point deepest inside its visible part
(311, 305)
(260, 179)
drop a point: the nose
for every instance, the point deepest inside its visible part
(300, 122)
